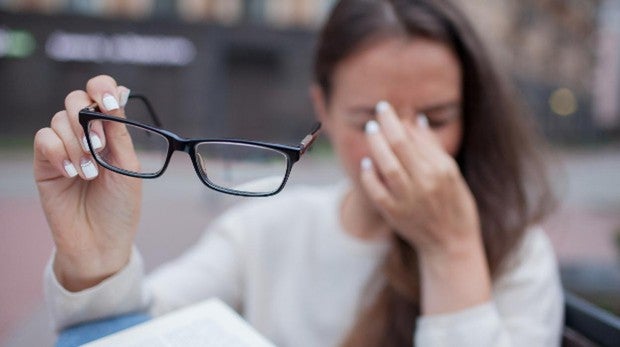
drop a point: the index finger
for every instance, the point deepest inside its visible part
(398, 137)
(74, 102)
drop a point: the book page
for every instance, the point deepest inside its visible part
(210, 323)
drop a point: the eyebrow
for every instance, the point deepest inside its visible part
(370, 110)
(362, 110)
(439, 107)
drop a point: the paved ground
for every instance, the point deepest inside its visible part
(582, 230)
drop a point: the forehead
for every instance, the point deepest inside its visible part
(415, 71)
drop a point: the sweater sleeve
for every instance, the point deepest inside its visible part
(526, 309)
(119, 294)
(211, 268)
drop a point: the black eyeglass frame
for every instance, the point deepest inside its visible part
(177, 143)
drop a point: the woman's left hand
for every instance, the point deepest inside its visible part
(417, 186)
(419, 190)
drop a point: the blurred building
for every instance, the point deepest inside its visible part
(606, 87)
(212, 68)
(564, 54)
(303, 13)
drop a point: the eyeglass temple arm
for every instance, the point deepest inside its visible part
(152, 114)
(150, 108)
(307, 142)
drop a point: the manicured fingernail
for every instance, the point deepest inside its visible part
(372, 127)
(124, 97)
(85, 144)
(109, 102)
(366, 164)
(69, 168)
(94, 140)
(422, 120)
(382, 107)
(89, 169)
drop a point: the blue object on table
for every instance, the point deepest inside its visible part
(86, 332)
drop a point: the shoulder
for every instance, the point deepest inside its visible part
(528, 294)
(531, 274)
(535, 249)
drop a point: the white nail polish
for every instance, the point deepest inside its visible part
(70, 169)
(85, 144)
(89, 169)
(372, 127)
(423, 120)
(366, 164)
(382, 107)
(124, 97)
(96, 141)
(110, 103)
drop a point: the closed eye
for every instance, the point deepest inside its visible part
(359, 116)
(443, 115)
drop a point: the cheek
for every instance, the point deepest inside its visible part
(351, 147)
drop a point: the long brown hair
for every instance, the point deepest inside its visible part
(499, 155)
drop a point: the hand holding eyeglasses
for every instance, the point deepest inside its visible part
(94, 217)
(93, 214)
(232, 166)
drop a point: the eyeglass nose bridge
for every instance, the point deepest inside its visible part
(180, 144)
(188, 146)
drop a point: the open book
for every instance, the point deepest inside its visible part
(210, 323)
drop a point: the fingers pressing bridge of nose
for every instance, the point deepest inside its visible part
(394, 131)
(399, 139)
(383, 158)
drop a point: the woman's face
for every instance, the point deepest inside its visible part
(415, 76)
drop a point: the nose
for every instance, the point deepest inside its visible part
(406, 115)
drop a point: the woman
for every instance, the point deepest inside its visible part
(432, 241)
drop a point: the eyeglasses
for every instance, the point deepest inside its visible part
(232, 166)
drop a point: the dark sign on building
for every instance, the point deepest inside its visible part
(246, 81)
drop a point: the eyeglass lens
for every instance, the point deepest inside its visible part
(130, 148)
(237, 167)
(242, 168)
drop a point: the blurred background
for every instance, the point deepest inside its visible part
(242, 68)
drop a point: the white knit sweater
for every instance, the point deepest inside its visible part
(288, 267)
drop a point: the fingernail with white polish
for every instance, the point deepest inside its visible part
(372, 127)
(382, 107)
(94, 140)
(85, 144)
(109, 102)
(89, 169)
(422, 120)
(124, 97)
(69, 168)
(366, 164)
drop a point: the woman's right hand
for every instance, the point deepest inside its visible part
(93, 214)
